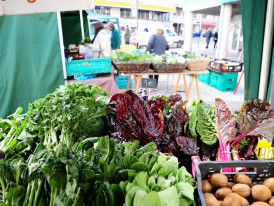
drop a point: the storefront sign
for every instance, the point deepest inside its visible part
(149, 83)
(13, 7)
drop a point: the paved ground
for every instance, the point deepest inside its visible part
(208, 93)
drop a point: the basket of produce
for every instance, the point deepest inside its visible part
(196, 63)
(131, 67)
(254, 187)
(131, 62)
(169, 64)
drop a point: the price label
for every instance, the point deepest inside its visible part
(149, 83)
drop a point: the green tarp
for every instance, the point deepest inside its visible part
(30, 59)
(72, 28)
(253, 15)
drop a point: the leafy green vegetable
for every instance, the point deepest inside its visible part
(206, 126)
(132, 56)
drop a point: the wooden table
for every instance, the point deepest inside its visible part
(194, 74)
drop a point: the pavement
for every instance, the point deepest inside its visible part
(167, 83)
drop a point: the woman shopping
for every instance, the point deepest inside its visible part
(100, 44)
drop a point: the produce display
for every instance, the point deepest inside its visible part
(52, 155)
(226, 66)
(217, 191)
(77, 147)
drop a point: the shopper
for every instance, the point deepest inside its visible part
(115, 36)
(157, 44)
(143, 38)
(216, 38)
(127, 35)
(100, 44)
(208, 36)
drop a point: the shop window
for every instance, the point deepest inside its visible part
(125, 13)
(102, 10)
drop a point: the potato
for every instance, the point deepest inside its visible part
(260, 192)
(270, 184)
(221, 202)
(212, 201)
(230, 185)
(206, 186)
(260, 203)
(242, 178)
(271, 201)
(232, 199)
(244, 202)
(241, 189)
(218, 180)
(221, 193)
(208, 194)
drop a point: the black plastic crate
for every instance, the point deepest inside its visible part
(262, 169)
(219, 67)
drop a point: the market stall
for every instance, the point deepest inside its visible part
(138, 64)
(76, 146)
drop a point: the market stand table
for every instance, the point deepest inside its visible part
(106, 81)
(194, 74)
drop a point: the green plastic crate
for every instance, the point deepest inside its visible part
(121, 81)
(205, 78)
(223, 86)
(224, 77)
(88, 66)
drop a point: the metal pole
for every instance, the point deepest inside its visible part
(82, 24)
(137, 15)
(61, 44)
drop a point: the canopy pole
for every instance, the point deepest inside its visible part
(62, 48)
(82, 24)
(267, 47)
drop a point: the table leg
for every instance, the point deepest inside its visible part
(135, 79)
(186, 92)
(139, 77)
(128, 82)
(190, 88)
(177, 84)
(198, 86)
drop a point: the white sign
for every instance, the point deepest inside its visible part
(134, 8)
(13, 7)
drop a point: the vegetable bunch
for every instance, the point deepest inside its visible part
(131, 56)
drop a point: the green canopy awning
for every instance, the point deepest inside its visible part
(254, 20)
(30, 63)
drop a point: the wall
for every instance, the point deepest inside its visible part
(115, 12)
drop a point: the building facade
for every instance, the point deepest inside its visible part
(151, 13)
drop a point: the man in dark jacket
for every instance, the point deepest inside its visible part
(157, 44)
(115, 37)
(208, 36)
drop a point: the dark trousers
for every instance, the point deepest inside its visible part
(127, 42)
(207, 43)
(215, 44)
(155, 77)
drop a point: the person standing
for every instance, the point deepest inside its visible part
(208, 36)
(157, 44)
(100, 44)
(115, 36)
(216, 38)
(127, 35)
(143, 38)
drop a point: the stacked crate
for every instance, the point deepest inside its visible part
(224, 81)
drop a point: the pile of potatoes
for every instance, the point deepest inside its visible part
(240, 193)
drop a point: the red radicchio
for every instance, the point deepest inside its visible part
(173, 99)
(187, 145)
(134, 117)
